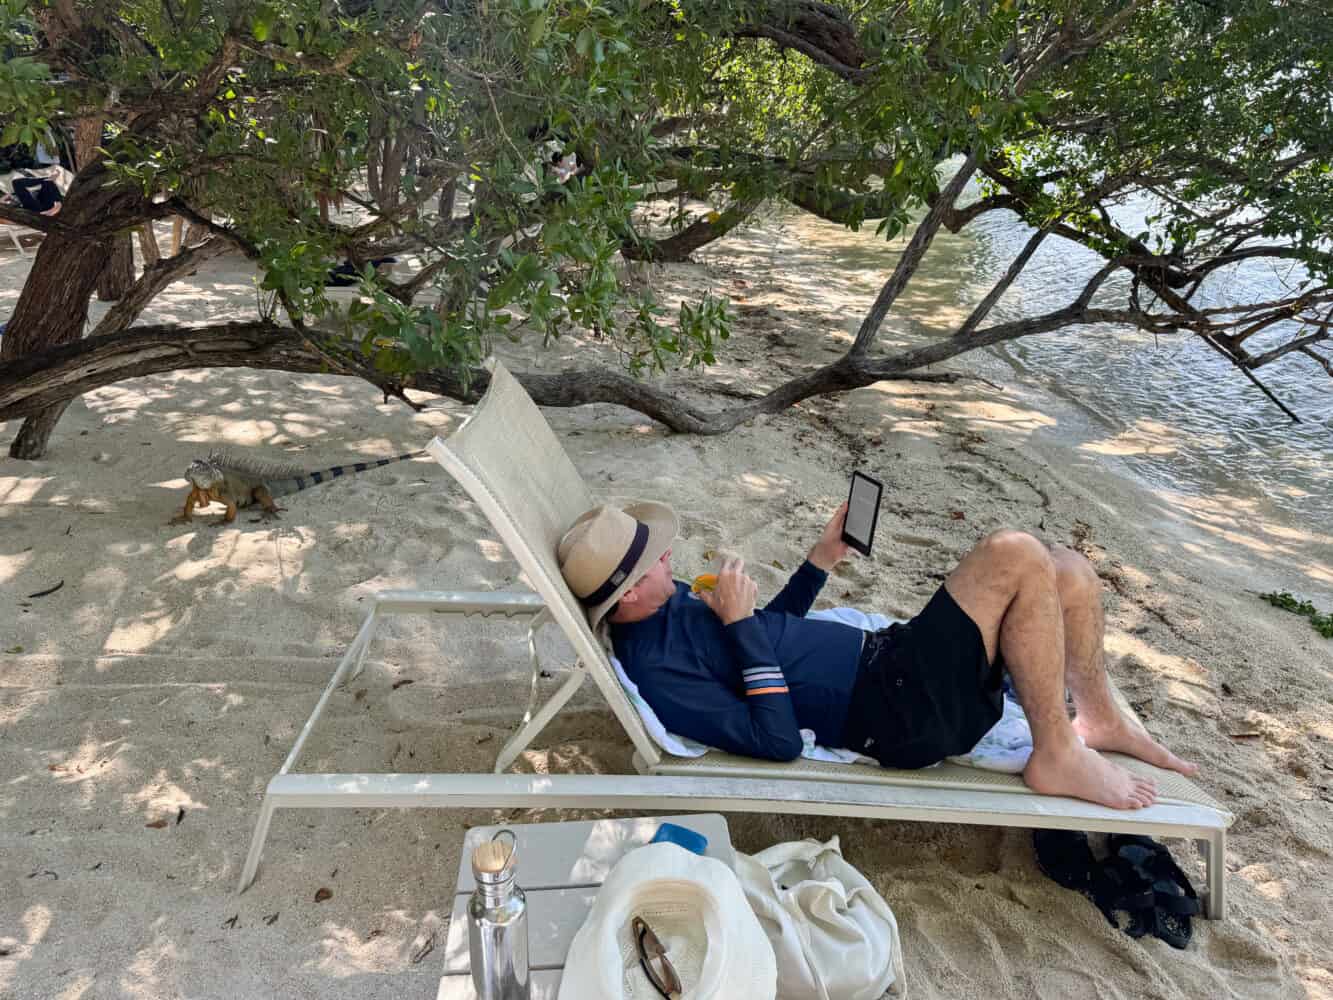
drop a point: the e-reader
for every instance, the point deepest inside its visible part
(858, 529)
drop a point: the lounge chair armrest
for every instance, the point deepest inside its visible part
(459, 602)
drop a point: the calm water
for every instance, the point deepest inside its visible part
(1177, 412)
(1175, 391)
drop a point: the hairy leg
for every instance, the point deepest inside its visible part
(1007, 586)
(1099, 721)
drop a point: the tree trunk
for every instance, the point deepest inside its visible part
(31, 440)
(117, 276)
(52, 309)
(152, 253)
(119, 273)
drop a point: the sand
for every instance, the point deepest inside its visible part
(145, 704)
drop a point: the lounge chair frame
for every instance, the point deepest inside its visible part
(13, 230)
(528, 448)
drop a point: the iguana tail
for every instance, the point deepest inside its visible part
(291, 484)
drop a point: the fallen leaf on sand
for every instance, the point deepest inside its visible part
(323, 894)
(401, 683)
(425, 949)
(957, 515)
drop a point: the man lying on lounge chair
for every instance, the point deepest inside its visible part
(39, 190)
(746, 680)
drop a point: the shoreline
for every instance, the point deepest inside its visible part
(174, 668)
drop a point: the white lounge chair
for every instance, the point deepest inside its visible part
(13, 230)
(506, 456)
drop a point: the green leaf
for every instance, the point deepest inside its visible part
(584, 42)
(537, 30)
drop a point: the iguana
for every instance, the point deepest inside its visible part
(240, 482)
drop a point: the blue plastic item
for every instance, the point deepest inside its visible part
(672, 834)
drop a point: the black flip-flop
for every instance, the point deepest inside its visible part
(1066, 858)
(1127, 891)
(1174, 898)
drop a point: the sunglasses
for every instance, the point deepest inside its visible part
(653, 959)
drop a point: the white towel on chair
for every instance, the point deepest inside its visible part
(1006, 747)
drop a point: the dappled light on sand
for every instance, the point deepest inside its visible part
(21, 489)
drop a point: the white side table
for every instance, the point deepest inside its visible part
(560, 868)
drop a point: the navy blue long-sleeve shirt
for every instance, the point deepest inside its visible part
(749, 687)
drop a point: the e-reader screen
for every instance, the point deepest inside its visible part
(858, 529)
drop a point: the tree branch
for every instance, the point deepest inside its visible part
(821, 32)
(1319, 359)
(335, 66)
(699, 233)
(911, 258)
(1299, 344)
(993, 296)
(36, 381)
(1240, 366)
(32, 220)
(155, 278)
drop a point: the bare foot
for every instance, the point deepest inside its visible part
(1126, 735)
(1085, 774)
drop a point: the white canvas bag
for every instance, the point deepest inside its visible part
(697, 910)
(833, 935)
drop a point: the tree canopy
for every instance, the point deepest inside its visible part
(510, 144)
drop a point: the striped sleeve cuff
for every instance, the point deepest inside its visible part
(764, 680)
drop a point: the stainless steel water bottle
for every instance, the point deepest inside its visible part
(497, 923)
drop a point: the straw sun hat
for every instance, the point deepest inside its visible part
(608, 550)
(695, 907)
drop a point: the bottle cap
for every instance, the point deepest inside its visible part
(493, 860)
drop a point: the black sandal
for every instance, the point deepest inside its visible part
(1066, 858)
(1174, 898)
(1127, 890)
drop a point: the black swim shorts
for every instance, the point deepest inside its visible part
(924, 689)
